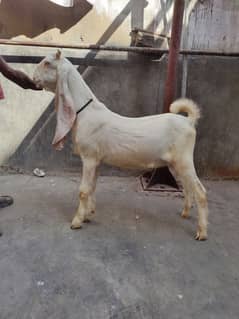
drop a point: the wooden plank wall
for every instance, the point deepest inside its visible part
(212, 25)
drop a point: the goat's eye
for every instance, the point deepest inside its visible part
(46, 63)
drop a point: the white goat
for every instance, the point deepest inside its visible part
(100, 135)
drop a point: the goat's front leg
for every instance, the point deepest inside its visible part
(91, 207)
(91, 203)
(86, 196)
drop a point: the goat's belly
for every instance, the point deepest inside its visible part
(133, 161)
(134, 151)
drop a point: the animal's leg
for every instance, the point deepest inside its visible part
(188, 197)
(91, 202)
(194, 188)
(87, 187)
(201, 199)
(187, 191)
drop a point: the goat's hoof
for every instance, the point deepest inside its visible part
(201, 236)
(87, 220)
(76, 223)
(185, 215)
(73, 227)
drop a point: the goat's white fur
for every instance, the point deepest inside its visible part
(100, 135)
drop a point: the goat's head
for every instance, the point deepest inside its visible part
(52, 74)
(46, 72)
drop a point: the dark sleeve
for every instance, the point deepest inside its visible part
(16, 76)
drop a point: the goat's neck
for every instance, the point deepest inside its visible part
(80, 91)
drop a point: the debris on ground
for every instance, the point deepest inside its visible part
(39, 172)
(40, 283)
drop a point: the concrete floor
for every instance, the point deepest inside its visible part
(120, 266)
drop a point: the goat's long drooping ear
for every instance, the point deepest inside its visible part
(65, 109)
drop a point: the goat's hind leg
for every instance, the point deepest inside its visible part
(187, 192)
(188, 198)
(86, 196)
(194, 189)
(201, 199)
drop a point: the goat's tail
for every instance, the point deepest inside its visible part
(188, 106)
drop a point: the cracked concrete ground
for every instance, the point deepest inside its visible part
(137, 259)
